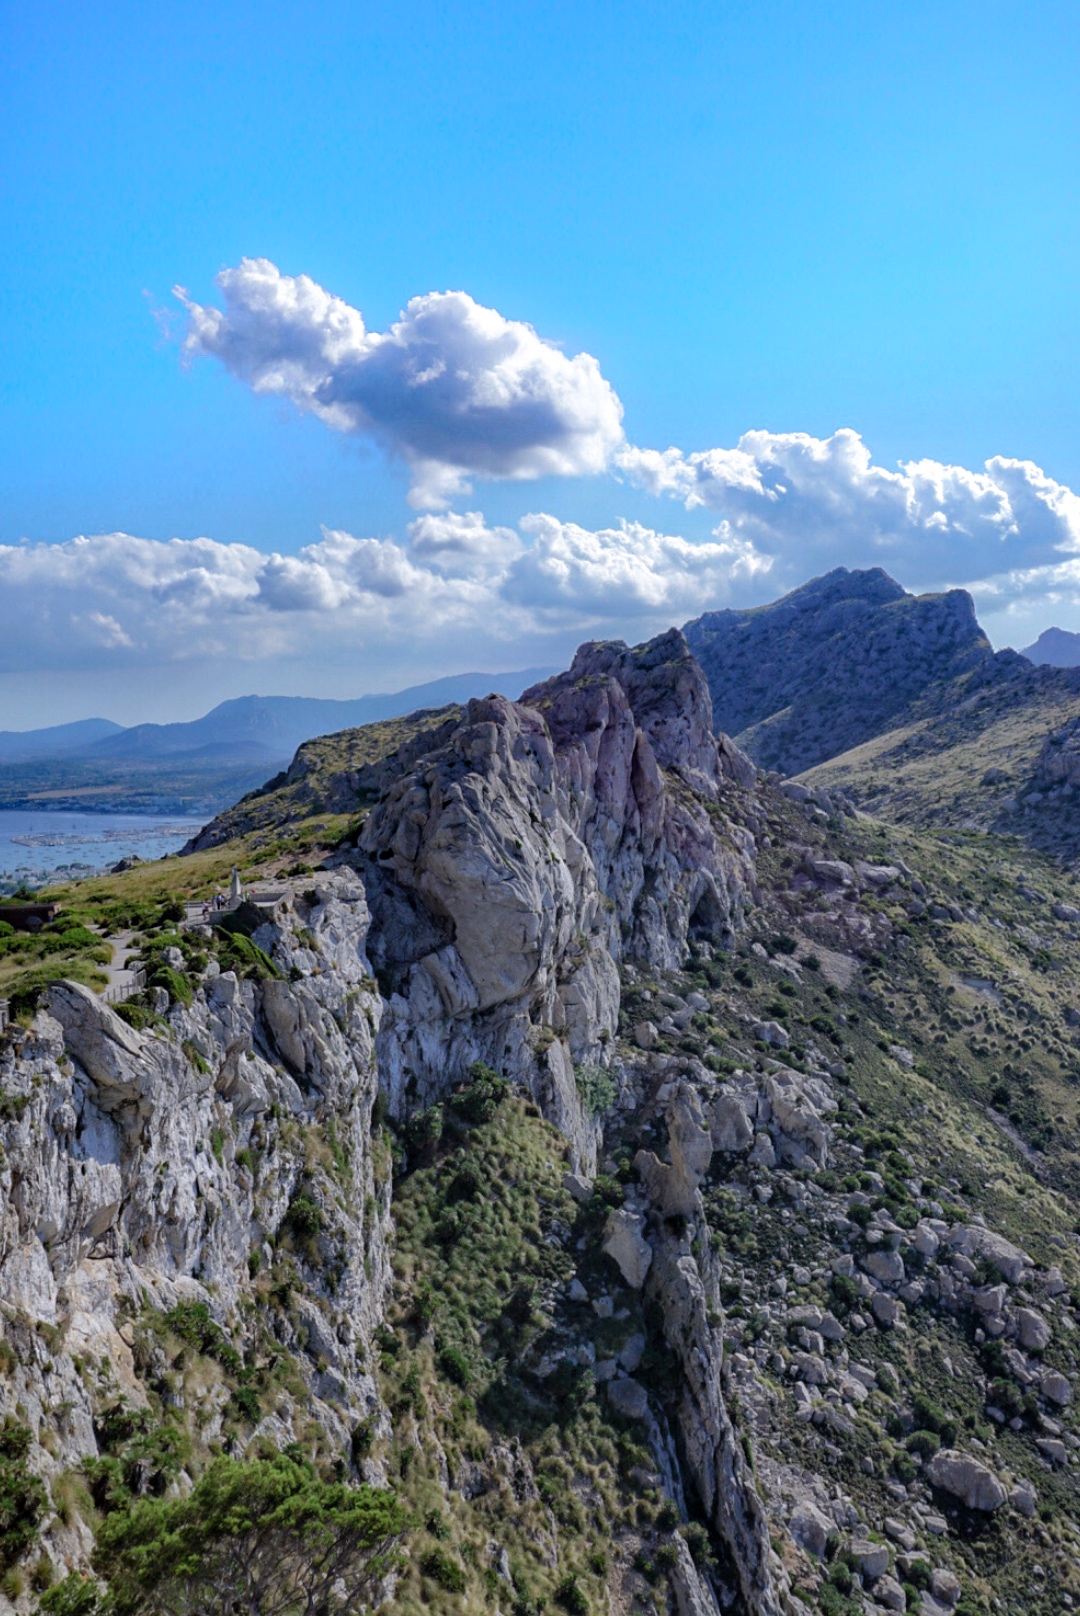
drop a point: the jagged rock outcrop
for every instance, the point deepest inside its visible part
(1058, 766)
(684, 1288)
(534, 846)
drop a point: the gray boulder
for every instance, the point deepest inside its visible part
(628, 1398)
(873, 1558)
(1033, 1330)
(626, 1245)
(966, 1479)
(810, 1527)
(732, 1129)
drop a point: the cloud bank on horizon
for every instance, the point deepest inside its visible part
(455, 582)
(462, 395)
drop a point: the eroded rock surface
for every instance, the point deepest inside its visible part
(536, 846)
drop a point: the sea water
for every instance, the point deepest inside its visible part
(39, 845)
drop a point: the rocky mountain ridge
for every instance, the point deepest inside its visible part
(603, 1144)
(834, 663)
(851, 684)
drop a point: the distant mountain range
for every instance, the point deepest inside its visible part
(25, 745)
(203, 765)
(1055, 648)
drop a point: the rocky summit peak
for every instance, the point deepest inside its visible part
(665, 689)
(1055, 648)
(832, 664)
(533, 846)
(866, 586)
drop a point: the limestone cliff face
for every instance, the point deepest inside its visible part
(512, 867)
(516, 856)
(527, 870)
(142, 1170)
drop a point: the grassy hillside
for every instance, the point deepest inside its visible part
(971, 762)
(333, 773)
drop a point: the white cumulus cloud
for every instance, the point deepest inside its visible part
(461, 541)
(629, 571)
(452, 387)
(816, 502)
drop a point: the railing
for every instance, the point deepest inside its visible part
(262, 899)
(122, 991)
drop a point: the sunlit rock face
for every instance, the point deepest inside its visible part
(512, 867)
(128, 1179)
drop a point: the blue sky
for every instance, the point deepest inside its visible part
(785, 219)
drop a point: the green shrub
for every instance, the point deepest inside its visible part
(644, 1563)
(424, 1130)
(570, 1596)
(1004, 1394)
(697, 1541)
(455, 1366)
(928, 1416)
(75, 1596)
(238, 953)
(177, 984)
(303, 1217)
(467, 1184)
(924, 1443)
(886, 1379)
(245, 1404)
(258, 1535)
(191, 1323)
(22, 1494)
(137, 1015)
(667, 1516)
(442, 1568)
(485, 1093)
(597, 1089)
(840, 1576)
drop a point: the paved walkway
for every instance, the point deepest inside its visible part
(123, 978)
